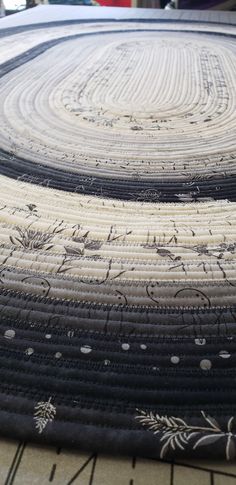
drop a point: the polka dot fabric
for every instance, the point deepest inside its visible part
(117, 240)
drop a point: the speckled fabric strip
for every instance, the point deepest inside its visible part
(117, 240)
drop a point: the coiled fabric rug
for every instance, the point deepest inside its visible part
(117, 245)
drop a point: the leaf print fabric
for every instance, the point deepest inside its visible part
(175, 433)
(44, 413)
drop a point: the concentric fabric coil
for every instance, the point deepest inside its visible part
(117, 241)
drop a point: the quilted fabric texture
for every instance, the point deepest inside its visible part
(117, 241)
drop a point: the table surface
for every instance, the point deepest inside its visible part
(31, 464)
(57, 13)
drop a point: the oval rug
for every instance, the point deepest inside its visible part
(117, 241)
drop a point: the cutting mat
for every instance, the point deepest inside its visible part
(30, 464)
